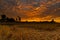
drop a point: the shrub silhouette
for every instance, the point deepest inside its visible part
(11, 20)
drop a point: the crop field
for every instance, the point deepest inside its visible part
(41, 32)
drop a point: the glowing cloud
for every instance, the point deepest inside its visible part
(31, 9)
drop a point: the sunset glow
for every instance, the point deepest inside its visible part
(31, 10)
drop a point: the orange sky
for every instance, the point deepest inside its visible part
(31, 10)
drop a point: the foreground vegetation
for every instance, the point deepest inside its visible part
(19, 32)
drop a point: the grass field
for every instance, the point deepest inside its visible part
(39, 32)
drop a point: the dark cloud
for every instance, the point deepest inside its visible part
(6, 6)
(11, 2)
(53, 10)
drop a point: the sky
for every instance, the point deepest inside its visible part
(31, 10)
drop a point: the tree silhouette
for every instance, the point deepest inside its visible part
(19, 18)
(6, 19)
(3, 17)
(16, 19)
(52, 21)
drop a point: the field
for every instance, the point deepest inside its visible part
(30, 32)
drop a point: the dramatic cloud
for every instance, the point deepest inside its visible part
(31, 9)
(53, 10)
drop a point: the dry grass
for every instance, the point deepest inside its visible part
(15, 32)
